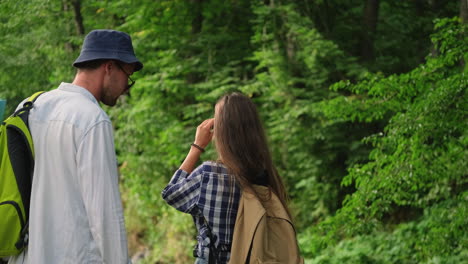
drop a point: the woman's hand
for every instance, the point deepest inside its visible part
(202, 139)
(204, 133)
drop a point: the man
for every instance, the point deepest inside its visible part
(76, 212)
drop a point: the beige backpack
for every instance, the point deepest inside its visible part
(263, 232)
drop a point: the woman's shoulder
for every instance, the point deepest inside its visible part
(213, 167)
(215, 174)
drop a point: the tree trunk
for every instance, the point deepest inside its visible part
(75, 7)
(464, 11)
(197, 23)
(420, 7)
(78, 18)
(371, 11)
(464, 19)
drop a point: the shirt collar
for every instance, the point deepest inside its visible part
(69, 87)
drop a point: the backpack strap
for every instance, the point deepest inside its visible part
(24, 115)
(33, 97)
(214, 254)
(28, 104)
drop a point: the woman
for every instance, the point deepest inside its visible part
(211, 192)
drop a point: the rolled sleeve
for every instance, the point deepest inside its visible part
(183, 190)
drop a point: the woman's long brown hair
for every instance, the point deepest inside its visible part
(242, 145)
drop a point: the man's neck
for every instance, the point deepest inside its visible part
(91, 81)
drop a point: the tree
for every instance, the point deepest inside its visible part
(418, 166)
(371, 12)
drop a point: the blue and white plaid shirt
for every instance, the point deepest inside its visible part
(209, 192)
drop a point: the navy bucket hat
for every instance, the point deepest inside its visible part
(108, 44)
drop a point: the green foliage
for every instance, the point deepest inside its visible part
(420, 158)
(375, 166)
(295, 65)
(438, 236)
(31, 51)
(401, 39)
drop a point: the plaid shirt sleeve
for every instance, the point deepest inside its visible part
(183, 190)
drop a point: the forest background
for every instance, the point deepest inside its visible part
(364, 103)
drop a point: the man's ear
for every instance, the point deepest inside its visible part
(108, 65)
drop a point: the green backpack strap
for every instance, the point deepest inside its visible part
(28, 105)
(23, 113)
(33, 97)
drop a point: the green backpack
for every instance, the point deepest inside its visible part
(16, 171)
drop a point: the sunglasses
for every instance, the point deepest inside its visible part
(131, 82)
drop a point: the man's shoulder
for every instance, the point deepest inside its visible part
(72, 108)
